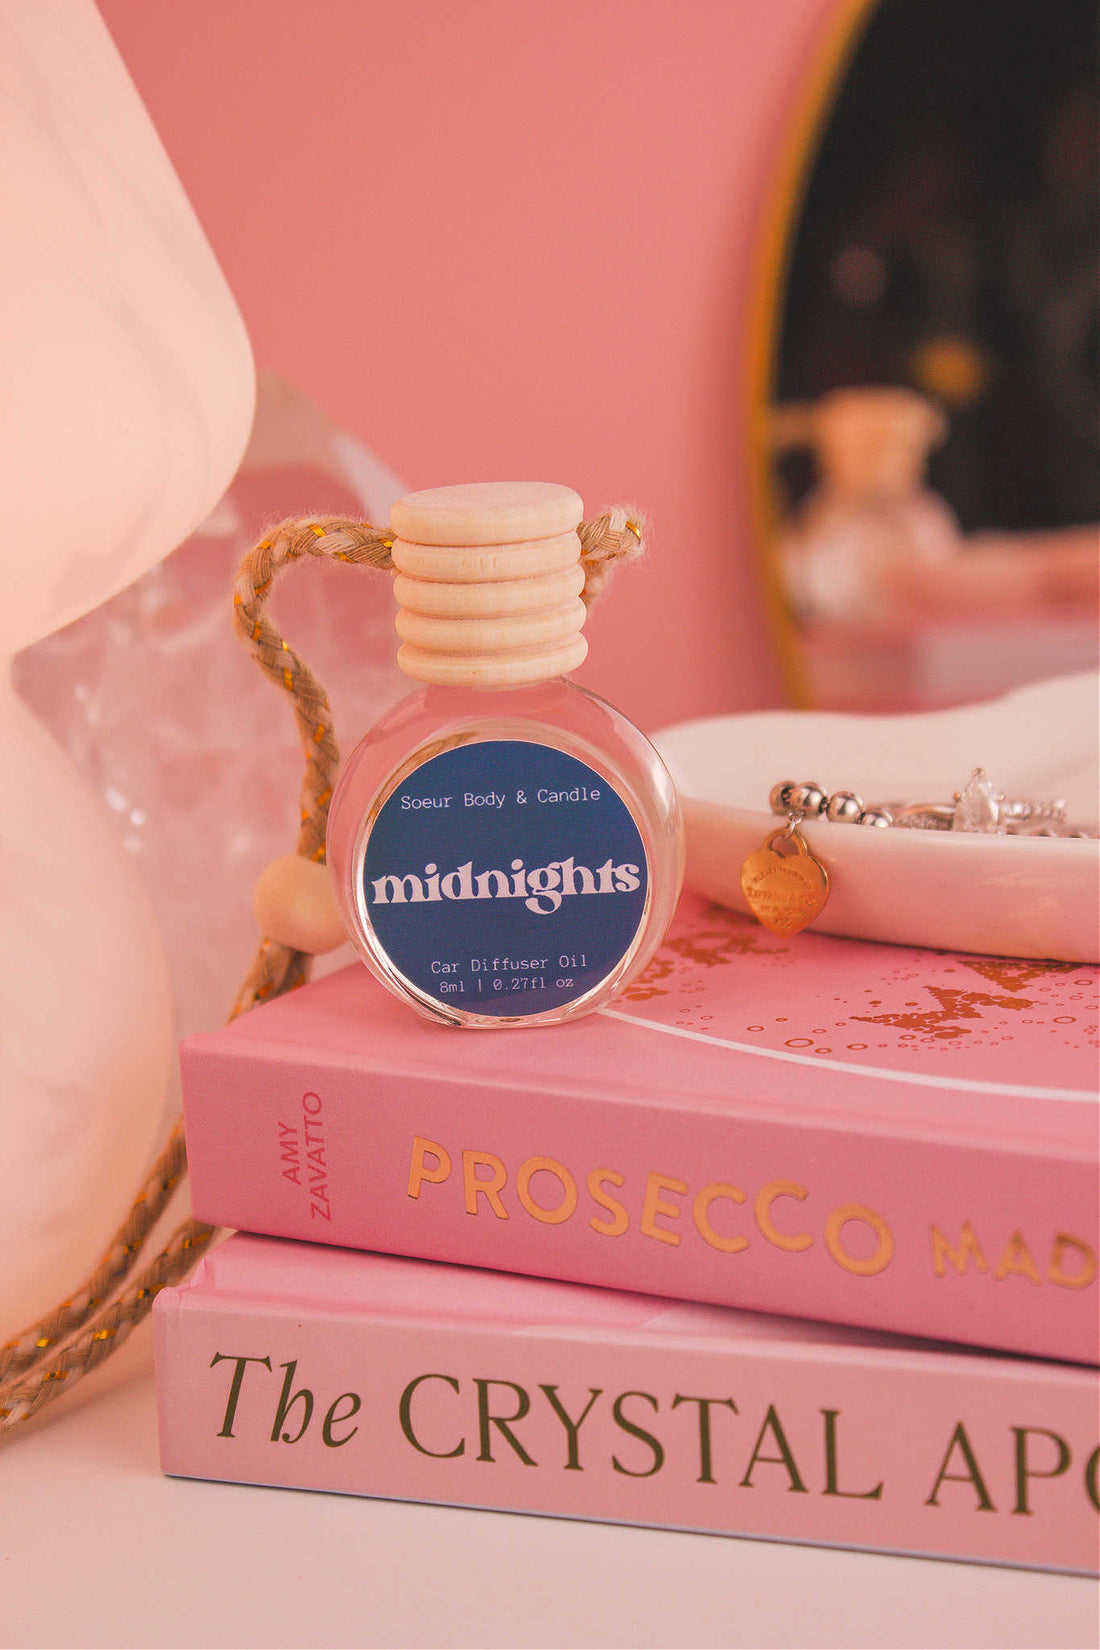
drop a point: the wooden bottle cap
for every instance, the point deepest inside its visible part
(486, 512)
(545, 626)
(489, 580)
(477, 601)
(489, 670)
(477, 563)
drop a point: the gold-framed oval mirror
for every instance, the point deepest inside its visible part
(925, 357)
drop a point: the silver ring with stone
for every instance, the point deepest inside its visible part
(980, 808)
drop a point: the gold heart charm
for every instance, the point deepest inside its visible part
(785, 892)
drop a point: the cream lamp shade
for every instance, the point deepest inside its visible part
(125, 406)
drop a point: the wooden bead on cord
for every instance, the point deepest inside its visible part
(294, 906)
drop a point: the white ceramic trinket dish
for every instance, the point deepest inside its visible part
(1001, 895)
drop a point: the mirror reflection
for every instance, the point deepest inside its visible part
(934, 411)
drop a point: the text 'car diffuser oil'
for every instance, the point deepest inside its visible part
(505, 847)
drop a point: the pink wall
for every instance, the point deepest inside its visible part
(507, 238)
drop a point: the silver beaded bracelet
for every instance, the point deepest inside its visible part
(978, 807)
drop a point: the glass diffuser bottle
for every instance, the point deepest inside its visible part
(506, 849)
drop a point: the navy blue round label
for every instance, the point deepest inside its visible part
(504, 877)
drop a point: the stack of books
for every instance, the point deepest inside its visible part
(798, 1240)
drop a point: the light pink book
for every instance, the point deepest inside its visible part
(297, 1364)
(899, 1139)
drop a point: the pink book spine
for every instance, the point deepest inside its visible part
(954, 1239)
(652, 1423)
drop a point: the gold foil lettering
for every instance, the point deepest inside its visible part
(832, 1485)
(884, 1250)
(404, 1412)
(706, 1452)
(785, 1458)
(418, 1166)
(503, 1423)
(1083, 1275)
(235, 1386)
(1024, 1471)
(969, 1249)
(490, 1189)
(1092, 1474)
(701, 1208)
(546, 1165)
(620, 1219)
(763, 1212)
(972, 1475)
(653, 1204)
(627, 1425)
(1016, 1261)
(334, 1414)
(572, 1427)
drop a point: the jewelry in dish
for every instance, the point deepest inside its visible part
(977, 807)
(784, 886)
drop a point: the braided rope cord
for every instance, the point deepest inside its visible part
(53, 1354)
(613, 537)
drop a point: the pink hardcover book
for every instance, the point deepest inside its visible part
(899, 1139)
(295, 1364)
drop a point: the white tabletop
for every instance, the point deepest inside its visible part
(98, 1549)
